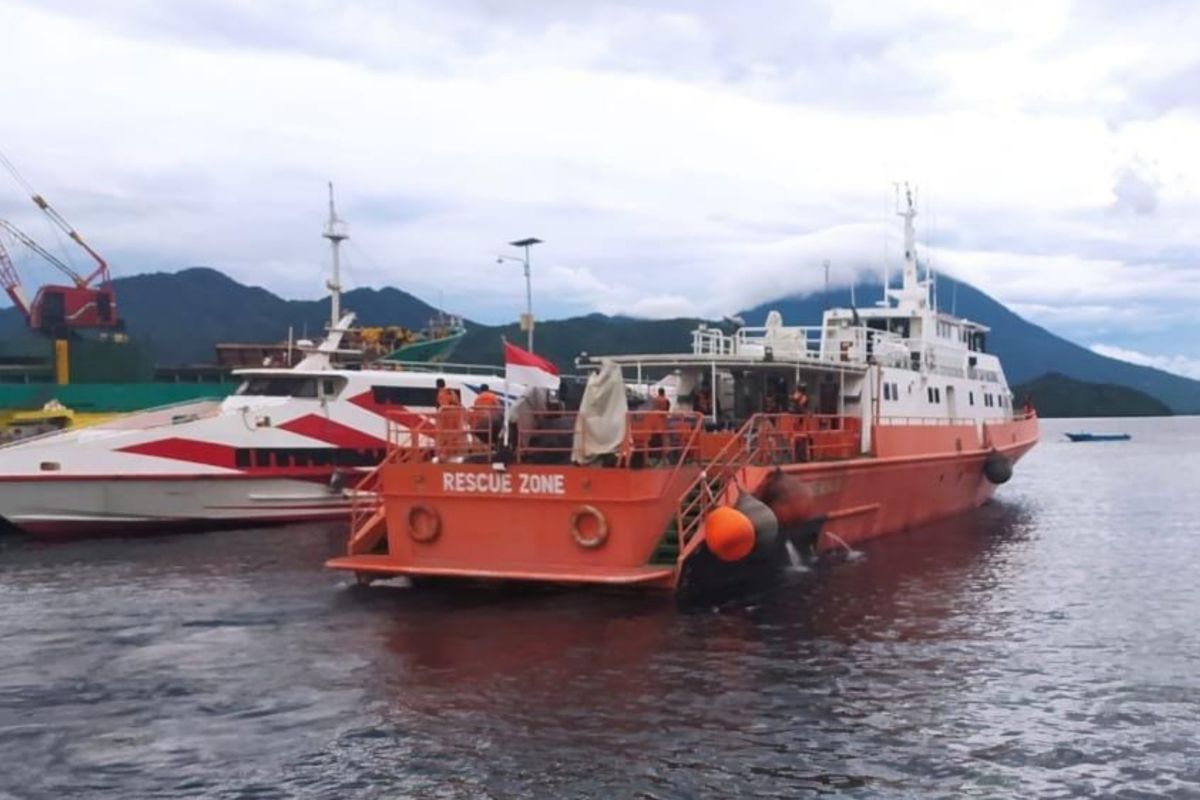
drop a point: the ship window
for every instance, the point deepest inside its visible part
(937, 395)
(405, 396)
(279, 386)
(970, 398)
(887, 391)
(241, 457)
(262, 458)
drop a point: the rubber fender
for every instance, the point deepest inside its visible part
(787, 497)
(766, 524)
(997, 468)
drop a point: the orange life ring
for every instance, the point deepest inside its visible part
(594, 538)
(424, 523)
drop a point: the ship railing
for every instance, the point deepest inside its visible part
(784, 342)
(706, 491)
(764, 440)
(936, 421)
(799, 438)
(712, 342)
(893, 419)
(489, 370)
(651, 438)
(460, 435)
(366, 496)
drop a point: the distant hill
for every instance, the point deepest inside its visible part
(182, 315)
(562, 340)
(1056, 395)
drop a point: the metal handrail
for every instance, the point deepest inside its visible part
(728, 460)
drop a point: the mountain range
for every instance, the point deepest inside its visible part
(182, 315)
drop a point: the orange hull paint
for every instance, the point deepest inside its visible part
(517, 523)
(572, 524)
(913, 484)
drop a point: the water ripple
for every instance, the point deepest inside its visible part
(1044, 646)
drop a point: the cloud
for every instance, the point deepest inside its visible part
(677, 158)
(1186, 366)
(1136, 190)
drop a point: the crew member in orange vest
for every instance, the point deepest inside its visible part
(656, 425)
(485, 413)
(451, 438)
(486, 398)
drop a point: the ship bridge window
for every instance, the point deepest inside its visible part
(420, 396)
(279, 386)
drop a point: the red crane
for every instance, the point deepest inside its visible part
(56, 309)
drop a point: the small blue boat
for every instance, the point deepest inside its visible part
(1099, 437)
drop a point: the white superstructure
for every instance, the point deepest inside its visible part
(897, 362)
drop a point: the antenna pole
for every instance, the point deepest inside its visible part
(827, 284)
(336, 233)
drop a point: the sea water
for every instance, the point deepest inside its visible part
(1046, 645)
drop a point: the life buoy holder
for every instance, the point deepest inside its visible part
(594, 538)
(424, 523)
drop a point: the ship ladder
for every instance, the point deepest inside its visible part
(704, 494)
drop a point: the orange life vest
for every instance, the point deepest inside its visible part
(486, 399)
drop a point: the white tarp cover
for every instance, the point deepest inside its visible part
(600, 426)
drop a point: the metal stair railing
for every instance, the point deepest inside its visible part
(712, 482)
(365, 498)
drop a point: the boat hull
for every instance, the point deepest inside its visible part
(1099, 437)
(71, 507)
(475, 521)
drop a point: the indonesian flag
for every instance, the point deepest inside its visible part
(522, 366)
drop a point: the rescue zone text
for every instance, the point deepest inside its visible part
(502, 483)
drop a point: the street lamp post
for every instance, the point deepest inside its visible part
(525, 243)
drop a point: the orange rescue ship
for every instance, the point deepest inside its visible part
(761, 441)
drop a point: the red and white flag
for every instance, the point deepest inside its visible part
(522, 366)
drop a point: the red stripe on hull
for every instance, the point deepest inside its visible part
(190, 450)
(330, 432)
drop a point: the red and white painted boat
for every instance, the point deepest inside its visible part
(285, 447)
(898, 416)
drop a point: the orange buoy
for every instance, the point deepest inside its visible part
(728, 533)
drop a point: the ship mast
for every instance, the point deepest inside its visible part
(336, 233)
(912, 295)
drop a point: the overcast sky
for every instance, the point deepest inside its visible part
(676, 157)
